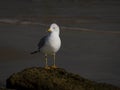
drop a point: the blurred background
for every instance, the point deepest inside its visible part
(90, 34)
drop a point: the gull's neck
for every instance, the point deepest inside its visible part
(55, 33)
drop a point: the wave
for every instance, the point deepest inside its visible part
(28, 22)
(17, 21)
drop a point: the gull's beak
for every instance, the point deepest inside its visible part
(49, 30)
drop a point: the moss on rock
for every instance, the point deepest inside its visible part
(37, 78)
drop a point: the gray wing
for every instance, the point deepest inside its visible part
(42, 42)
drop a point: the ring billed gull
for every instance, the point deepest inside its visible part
(50, 43)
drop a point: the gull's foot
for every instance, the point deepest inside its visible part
(54, 66)
(47, 67)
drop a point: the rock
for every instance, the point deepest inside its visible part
(4, 88)
(37, 78)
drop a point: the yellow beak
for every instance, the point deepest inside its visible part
(49, 30)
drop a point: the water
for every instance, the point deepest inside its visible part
(85, 49)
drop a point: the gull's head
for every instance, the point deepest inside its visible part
(54, 28)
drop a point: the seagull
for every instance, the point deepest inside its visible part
(50, 44)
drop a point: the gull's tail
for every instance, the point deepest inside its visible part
(35, 52)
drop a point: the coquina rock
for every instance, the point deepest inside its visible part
(38, 78)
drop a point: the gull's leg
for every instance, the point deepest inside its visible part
(54, 66)
(46, 62)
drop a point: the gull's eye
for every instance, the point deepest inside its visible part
(53, 27)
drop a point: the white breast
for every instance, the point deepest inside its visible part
(53, 44)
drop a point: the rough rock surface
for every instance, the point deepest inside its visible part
(37, 78)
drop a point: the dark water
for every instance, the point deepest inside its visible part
(92, 54)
